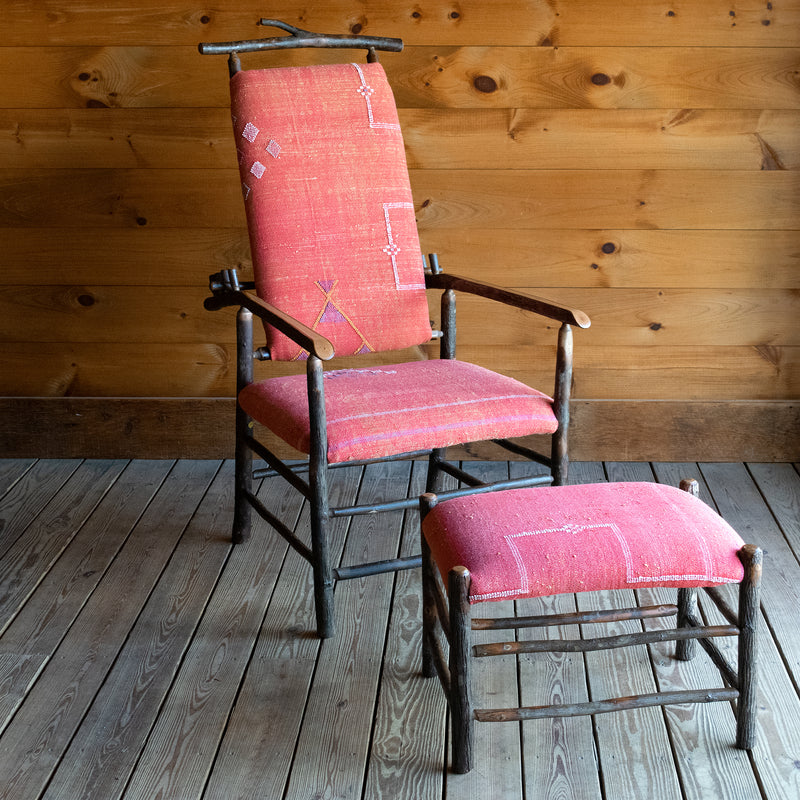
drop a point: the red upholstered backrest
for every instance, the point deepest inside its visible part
(325, 184)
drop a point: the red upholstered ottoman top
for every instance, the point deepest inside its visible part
(544, 541)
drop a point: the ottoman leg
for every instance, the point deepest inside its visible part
(687, 608)
(429, 612)
(749, 592)
(461, 716)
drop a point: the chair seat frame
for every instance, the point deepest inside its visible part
(227, 290)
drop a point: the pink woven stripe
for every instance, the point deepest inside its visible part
(545, 541)
(401, 408)
(428, 407)
(452, 430)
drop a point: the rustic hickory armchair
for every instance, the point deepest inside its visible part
(339, 271)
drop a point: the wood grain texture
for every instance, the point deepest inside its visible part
(58, 600)
(781, 483)
(426, 77)
(497, 752)
(679, 430)
(640, 733)
(517, 22)
(738, 499)
(624, 316)
(172, 759)
(28, 559)
(86, 688)
(742, 504)
(652, 372)
(707, 729)
(613, 258)
(435, 138)
(333, 745)
(503, 199)
(408, 752)
(653, 199)
(638, 156)
(53, 712)
(24, 500)
(275, 690)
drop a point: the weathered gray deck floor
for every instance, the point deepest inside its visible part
(142, 656)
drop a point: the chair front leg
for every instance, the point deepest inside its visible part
(243, 474)
(687, 608)
(320, 507)
(560, 454)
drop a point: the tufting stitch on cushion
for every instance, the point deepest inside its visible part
(401, 408)
(544, 541)
(332, 230)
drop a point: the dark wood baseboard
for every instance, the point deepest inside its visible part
(601, 430)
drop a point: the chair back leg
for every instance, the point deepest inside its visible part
(461, 712)
(434, 480)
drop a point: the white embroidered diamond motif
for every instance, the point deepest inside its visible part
(391, 249)
(250, 132)
(366, 90)
(258, 169)
(273, 148)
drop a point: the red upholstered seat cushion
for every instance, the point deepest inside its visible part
(329, 209)
(402, 408)
(545, 541)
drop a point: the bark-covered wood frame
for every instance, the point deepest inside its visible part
(447, 618)
(227, 290)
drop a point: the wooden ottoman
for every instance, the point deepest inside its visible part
(537, 542)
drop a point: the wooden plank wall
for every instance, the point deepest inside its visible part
(636, 158)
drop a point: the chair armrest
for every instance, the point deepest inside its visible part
(539, 305)
(304, 336)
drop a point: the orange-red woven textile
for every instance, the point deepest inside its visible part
(401, 408)
(544, 541)
(329, 209)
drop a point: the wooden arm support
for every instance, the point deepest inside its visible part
(538, 305)
(301, 334)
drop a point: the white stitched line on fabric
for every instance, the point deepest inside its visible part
(569, 528)
(630, 578)
(438, 405)
(365, 90)
(392, 249)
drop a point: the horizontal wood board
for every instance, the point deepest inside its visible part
(151, 658)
